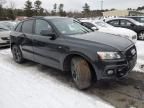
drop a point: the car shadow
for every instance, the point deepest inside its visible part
(124, 93)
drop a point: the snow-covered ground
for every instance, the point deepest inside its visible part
(32, 86)
(25, 86)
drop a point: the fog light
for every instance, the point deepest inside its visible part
(110, 72)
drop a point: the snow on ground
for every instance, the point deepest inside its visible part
(140, 60)
(24, 86)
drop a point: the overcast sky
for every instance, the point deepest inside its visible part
(78, 4)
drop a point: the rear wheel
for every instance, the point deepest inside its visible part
(141, 35)
(17, 54)
(81, 72)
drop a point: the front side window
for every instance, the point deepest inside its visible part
(125, 23)
(114, 22)
(41, 25)
(70, 27)
(27, 26)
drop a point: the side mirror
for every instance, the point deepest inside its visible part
(94, 28)
(48, 33)
(132, 25)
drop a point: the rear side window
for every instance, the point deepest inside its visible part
(41, 25)
(27, 26)
(114, 22)
(18, 28)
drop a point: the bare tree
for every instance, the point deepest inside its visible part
(11, 11)
(12, 5)
(2, 2)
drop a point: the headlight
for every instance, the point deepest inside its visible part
(109, 55)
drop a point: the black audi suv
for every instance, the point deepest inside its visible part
(65, 44)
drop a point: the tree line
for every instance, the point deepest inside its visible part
(35, 9)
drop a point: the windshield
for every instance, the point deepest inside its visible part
(70, 27)
(102, 24)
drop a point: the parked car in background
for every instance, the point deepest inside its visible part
(65, 44)
(104, 27)
(8, 24)
(4, 36)
(130, 24)
(137, 18)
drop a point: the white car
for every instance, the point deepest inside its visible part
(104, 27)
(4, 36)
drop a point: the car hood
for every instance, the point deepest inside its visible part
(4, 33)
(119, 31)
(117, 42)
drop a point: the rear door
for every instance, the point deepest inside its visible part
(127, 24)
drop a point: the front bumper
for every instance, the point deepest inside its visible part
(118, 68)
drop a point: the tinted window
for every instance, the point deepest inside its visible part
(114, 22)
(27, 26)
(41, 25)
(89, 25)
(18, 28)
(142, 19)
(125, 23)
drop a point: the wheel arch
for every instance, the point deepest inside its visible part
(68, 58)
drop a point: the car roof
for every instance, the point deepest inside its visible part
(118, 19)
(134, 16)
(49, 17)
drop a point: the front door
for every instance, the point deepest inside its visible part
(46, 51)
(26, 44)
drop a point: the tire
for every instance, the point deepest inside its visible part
(17, 54)
(81, 73)
(141, 35)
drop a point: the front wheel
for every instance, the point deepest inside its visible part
(17, 54)
(141, 35)
(81, 72)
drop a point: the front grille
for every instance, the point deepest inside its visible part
(130, 53)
